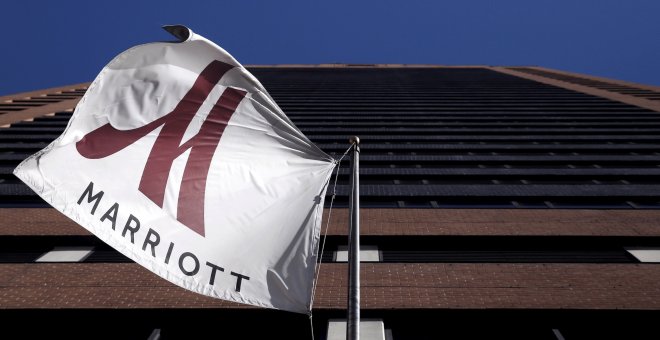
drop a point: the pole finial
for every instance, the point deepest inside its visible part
(354, 140)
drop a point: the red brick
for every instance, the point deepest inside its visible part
(477, 222)
(384, 286)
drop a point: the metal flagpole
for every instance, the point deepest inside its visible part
(353, 326)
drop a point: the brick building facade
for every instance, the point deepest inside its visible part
(522, 201)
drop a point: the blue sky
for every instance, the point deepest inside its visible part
(52, 43)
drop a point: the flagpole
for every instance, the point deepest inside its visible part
(353, 326)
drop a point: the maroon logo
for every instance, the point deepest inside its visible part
(107, 140)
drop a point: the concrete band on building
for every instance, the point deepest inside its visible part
(522, 201)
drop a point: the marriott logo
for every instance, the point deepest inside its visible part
(107, 140)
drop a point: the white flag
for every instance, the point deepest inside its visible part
(178, 158)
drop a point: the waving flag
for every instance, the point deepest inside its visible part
(178, 158)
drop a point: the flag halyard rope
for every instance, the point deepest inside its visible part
(325, 234)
